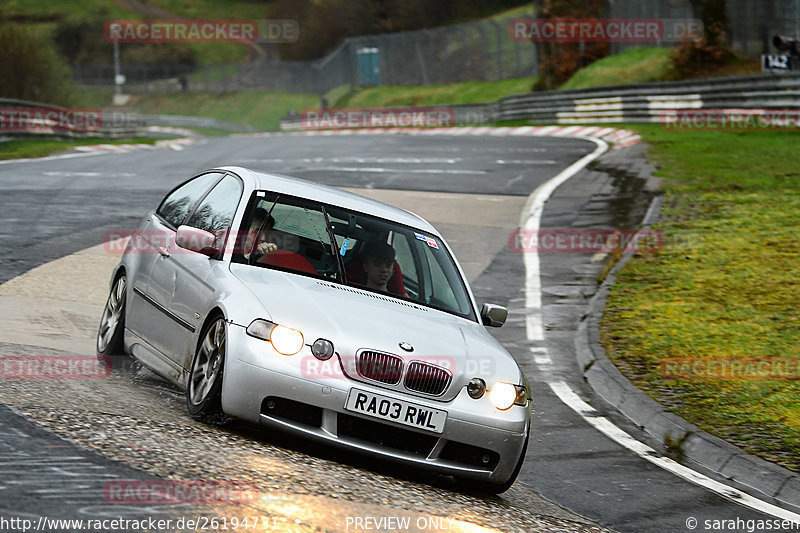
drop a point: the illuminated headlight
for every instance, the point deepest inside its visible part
(322, 349)
(286, 341)
(476, 387)
(504, 395)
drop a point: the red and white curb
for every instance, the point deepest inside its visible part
(618, 137)
(172, 144)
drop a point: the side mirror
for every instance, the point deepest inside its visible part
(197, 240)
(493, 315)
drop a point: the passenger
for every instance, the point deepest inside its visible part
(379, 266)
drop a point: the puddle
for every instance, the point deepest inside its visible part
(630, 200)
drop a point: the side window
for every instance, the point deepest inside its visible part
(216, 211)
(178, 203)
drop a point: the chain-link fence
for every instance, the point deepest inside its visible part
(463, 52)
(753, 23)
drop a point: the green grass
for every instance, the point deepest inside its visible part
(638, 65)
(260, 110)
(24, 148)
(264, 110)
(724, 285)
(45, 14)
(456, 93)
(214, 9)
(521, 11)
(42, 9)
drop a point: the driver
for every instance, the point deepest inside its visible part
(264, 239)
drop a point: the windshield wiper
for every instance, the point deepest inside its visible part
(336, 254)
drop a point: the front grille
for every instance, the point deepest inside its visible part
(381, 367)
(427, 378)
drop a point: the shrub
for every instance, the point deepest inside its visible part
(31, 68)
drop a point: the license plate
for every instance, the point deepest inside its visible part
(400, 411)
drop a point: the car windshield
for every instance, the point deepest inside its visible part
(343, 246)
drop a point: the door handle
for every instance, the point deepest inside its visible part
(163, 251)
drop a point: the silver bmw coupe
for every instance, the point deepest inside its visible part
(323, 313)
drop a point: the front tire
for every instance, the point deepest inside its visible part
(110, 335)
(204, 391)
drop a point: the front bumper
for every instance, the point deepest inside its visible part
(478, 442)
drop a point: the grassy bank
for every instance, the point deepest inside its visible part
(260, 110)
(264, 110)
(454, 93)
(23, 148)
(638, 65)
(724, 287)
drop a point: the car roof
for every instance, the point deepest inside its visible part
(328, 195)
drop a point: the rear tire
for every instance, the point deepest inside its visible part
(204, 390)
(110, 335)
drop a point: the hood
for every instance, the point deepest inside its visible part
(354, 320)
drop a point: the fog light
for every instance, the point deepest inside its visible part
(476, 387)
(322, 349)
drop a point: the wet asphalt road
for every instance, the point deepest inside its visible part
(53, 208)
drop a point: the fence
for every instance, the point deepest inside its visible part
(463, 52)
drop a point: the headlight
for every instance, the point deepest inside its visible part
(504, 395)
(286, 341)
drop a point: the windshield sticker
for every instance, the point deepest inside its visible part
(345, 244)
(429, 240)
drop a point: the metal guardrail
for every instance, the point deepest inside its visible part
(195, 122)
(43, 120)
(36, 119)
(646, 102)
(461, 114)
(642, 102)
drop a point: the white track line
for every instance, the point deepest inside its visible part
(587, 412)
(530, 220)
